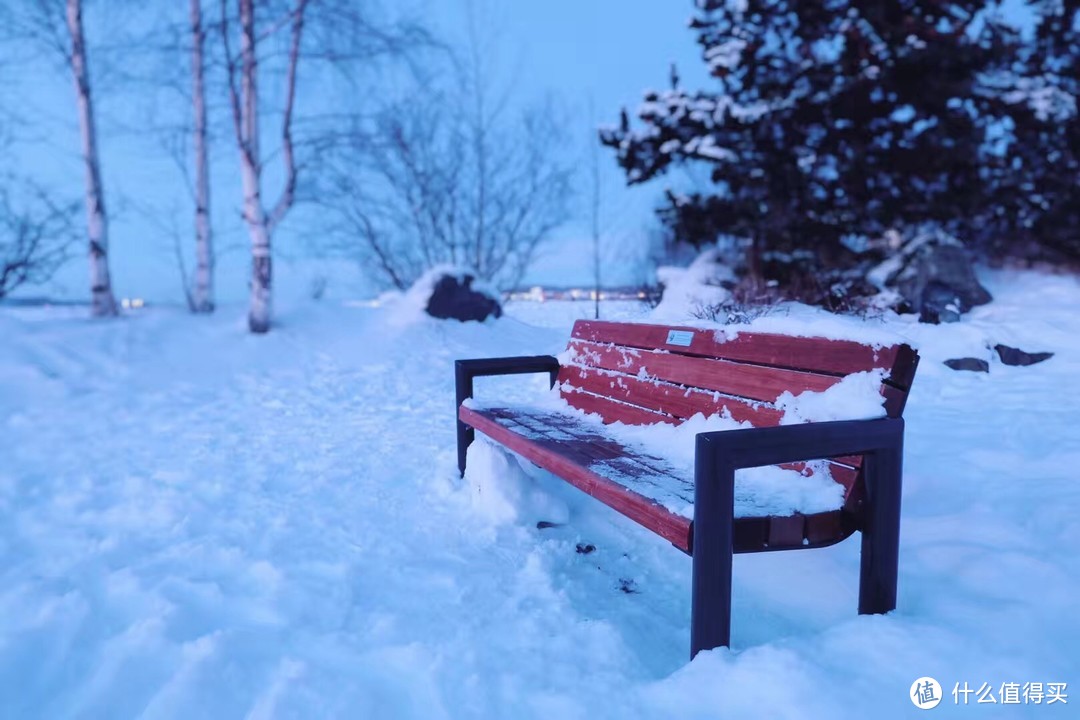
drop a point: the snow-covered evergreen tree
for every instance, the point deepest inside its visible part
(1038, 185)
(832, 119)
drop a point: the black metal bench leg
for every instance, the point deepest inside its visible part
(881, 530)
(463, 380)
(713, 548)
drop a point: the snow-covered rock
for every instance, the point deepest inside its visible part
(448, 292)
(705, 283)
(933, 274)
(1016, 356)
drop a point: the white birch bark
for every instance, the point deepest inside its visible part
(203, 290)
(259, 309)
(102, 302)
(245, 106)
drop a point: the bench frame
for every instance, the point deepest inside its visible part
(717, 456)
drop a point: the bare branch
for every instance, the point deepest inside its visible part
(288, 194)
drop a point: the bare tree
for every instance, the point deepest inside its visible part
(102, 302)
(244, 100)
(347, 36)
(58, 27)
(202, 294)
(36, 236)
(452, 175)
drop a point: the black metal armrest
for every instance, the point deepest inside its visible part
(719, 454)
(754, 447)
(466, 370)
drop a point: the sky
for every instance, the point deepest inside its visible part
(596, 57)
(592, 57)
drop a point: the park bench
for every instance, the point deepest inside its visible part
(641, 374)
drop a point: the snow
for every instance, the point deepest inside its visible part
(202, 523)
(725, 55)
(856, 397)
(689, 290)
(669, 450)
(1046, 96)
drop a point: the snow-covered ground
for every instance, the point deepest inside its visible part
(201, 523)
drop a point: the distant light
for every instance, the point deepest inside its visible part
(125, 303)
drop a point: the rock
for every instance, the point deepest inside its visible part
(972, 364)
(453, 296)
(932, 272)
(1013, 356)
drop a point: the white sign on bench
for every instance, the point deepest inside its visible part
(682, 338)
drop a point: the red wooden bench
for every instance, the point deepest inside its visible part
(645, 374)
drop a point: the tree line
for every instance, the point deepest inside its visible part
(439, 167)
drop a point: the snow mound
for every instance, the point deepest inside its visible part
(690, 289)
(413, 304)
(501, 492)
(856, 397)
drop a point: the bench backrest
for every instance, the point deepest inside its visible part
(642, 374)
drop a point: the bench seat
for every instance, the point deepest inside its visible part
(658, 492)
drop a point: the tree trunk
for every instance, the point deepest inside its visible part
(103, 304)
(250, 172)
(594, 167)
(203, 291)
(245, 111)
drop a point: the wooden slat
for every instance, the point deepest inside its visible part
(614, 411)
(637, 392)
(902, 373)
(753, 382)
(833, 357)
(554, 426)
(677, 401)
(667, 397)
(899, 381)
(673, 528)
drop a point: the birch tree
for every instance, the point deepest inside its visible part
(202, 294)
(57, 27)
(243, 83)
(347, 37)
(102, 302)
